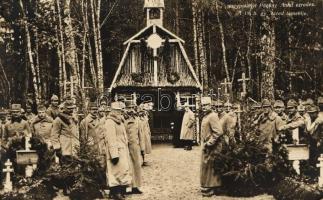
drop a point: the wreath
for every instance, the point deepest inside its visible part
(173, 77)
(137, 77)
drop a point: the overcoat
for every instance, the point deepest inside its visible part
(144, 126)
(229, 123)
(188, 129)
(42, 128)
(116, 143)
(19, 128)
(52, 111)
(65, 134)
(136, 145)
(211, 133)
(89, 133)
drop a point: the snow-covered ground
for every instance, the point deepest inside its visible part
(173, 174)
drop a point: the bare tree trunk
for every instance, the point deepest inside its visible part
(29, 52)
(202, 54)
(70, 49)
(224, 57)
(196, 57)
(100, 68)
(61, 52)
(268, 42)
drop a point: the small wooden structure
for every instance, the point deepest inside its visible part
(156, 67)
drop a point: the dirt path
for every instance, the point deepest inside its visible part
(173, 174)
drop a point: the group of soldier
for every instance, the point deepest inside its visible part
(118, 134)
(272, 122)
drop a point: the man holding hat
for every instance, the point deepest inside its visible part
(65, 133)
(295, 121)
(53, 109)
(188, 128)
(16, 128)
(268, 124)
(211, 138)
(42, 125)
(117, 153)
(136, 145)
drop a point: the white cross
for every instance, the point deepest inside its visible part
(244, 84)
(320, 165)
(8, 170)
(226, 84)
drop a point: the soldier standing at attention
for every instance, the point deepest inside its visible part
(16, 128)
(188, 128)
(136, 145)
(42, 125)
(211, 133)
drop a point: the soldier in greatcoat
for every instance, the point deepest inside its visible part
(42, 125)
(268, 124)
(117, 153)
(53, 110)
(188, 128)
(16, 128)
(136, 145)
(211, 141)
(65, 133)
(145, 129)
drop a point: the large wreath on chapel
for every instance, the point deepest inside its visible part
(173, 77)
(137, 77)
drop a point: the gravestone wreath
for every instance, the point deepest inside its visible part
(173, 77)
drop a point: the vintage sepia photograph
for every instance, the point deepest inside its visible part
(161, 99)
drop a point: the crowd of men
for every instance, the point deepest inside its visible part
(118, 134)
(297, 122)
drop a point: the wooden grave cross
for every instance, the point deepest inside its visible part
(226, 83)
(320, 165)
(244, 80)
(8, 182)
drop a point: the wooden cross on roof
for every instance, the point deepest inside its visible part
(226, 83)
(244, 80)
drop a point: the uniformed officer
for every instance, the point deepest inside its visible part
(279, 108)
(29, 114)
(16, 128)
(42, 125)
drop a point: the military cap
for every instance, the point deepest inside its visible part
(3, 111)
(206, 101)
(228, 104)
(320, 100)
(69, 103)
(217, 103)
(130, 104)
(41, 107)
(15, 107)
(265, 103)
(256, 105)
(313, 109)
(116, 105)
(93, 105)
(54, 98)
(291, 103)
(279, 104)
(301, 108)
(308, 102)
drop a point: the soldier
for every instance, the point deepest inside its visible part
(65, 133)
(16, 128)
(279, 108)
(42, 125)
(188, 128)
(220, 109)
(53, 109)
(268, 124)
(211, 133)
(145, 129)
(89, 135)
(136, 145)
(29, 114)
(117, 153)
(3, 121)
(102, 112)
(295, 121)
